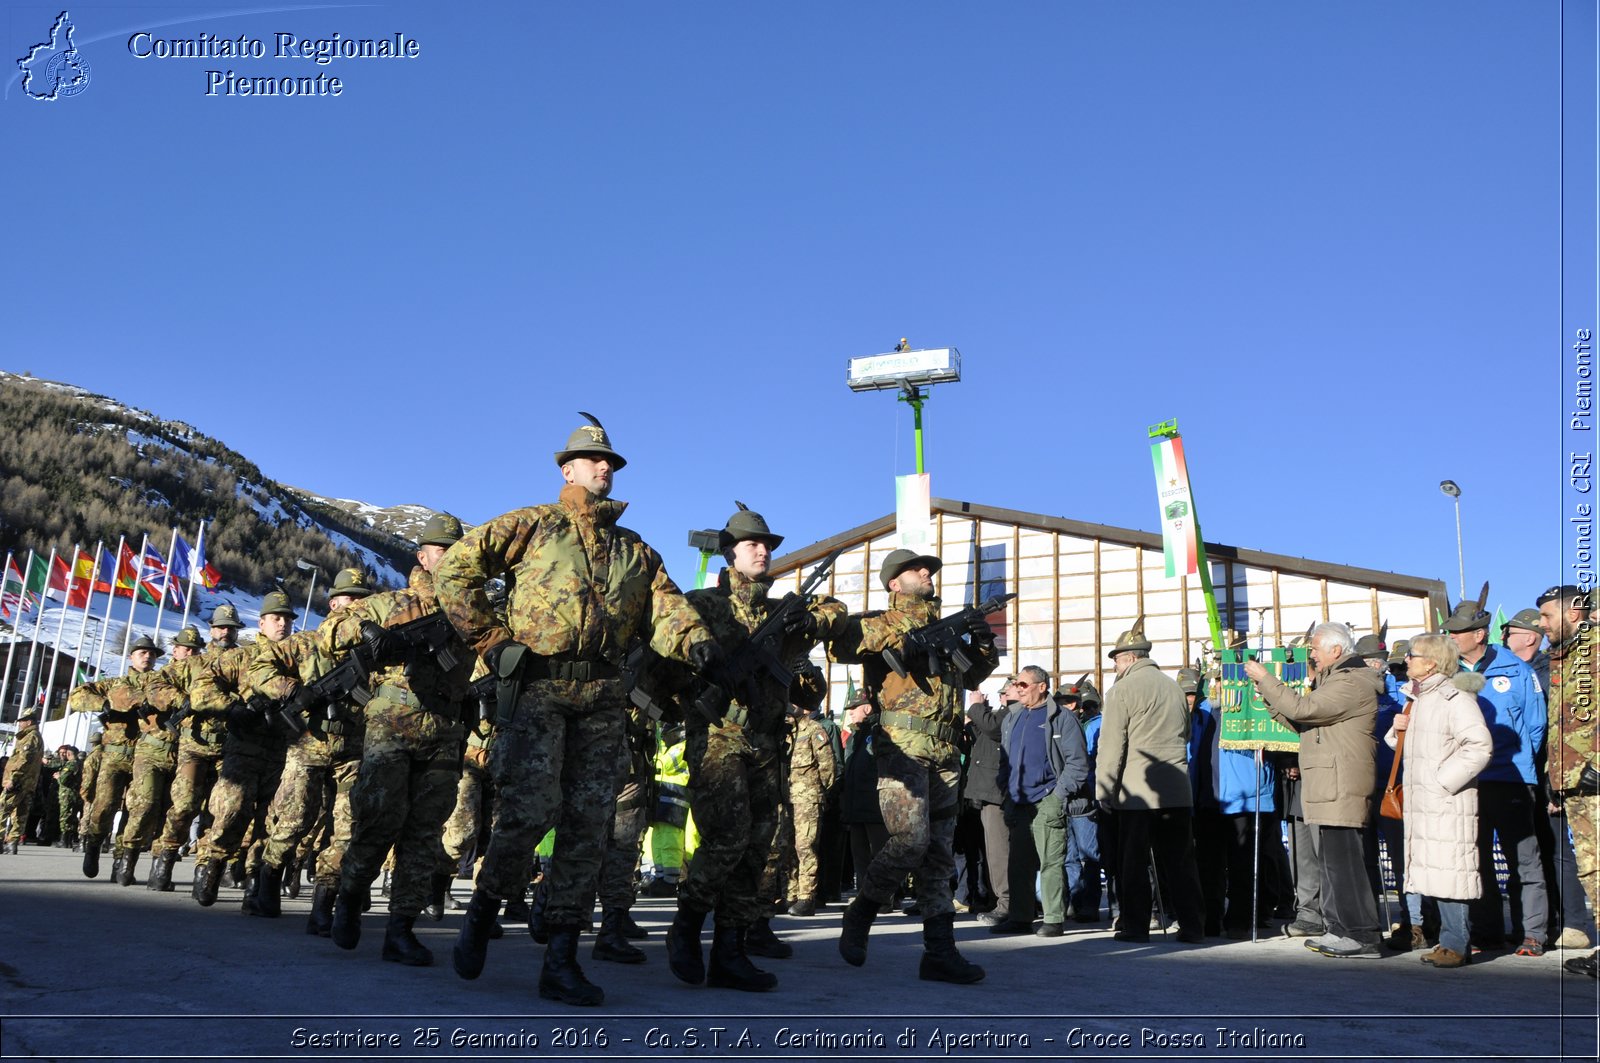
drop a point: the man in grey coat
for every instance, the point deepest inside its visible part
(1142, 775)
(1338, 757)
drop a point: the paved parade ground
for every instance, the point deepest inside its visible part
(95, 971)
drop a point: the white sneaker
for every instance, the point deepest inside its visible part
(1573, 938)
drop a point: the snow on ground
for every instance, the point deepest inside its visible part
(385, 572)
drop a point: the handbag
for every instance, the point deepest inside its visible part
(1393, 805)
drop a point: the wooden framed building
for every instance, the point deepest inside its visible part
(1079, 585)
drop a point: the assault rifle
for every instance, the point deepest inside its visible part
(632, 669)
(940, 644)
(758, 654)
(432, 635)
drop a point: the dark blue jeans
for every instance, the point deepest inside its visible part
(1083, 864)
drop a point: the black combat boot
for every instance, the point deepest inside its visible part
(160, 879)
(269, 892)
(207, 879)
(858, 919)
(91, 856)
(761, 941)
(804, 907)
(236, 874)
(730, 968)
(119, 865)
(562, 979)
(472, 944)
(71, 840)
(631, 930)
(346, 928)
(517, 909)
(16, 847)
(683, 944)
(536, 924)
(400, 944)
(941, 962)
(127, 871)
(291, 880)
(439, 889)
(612, 943)
(320, 921)
(252, 884)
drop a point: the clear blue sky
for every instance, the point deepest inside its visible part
(1325, 236)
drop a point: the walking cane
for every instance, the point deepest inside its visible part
(1255, 859)
(1155, 883)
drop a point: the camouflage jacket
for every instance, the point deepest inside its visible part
(920, 714)
(279, 668)
(131, 703)
(197, 688)
(1574, 687)
(91, 772)
(230, 668)
(25, 764)
(582, 586)
(812, 768)
(732, 610)
(69, 773)
(430, 687)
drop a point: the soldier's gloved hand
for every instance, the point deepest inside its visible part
(303, 700)
(239, 714)
(800, 622)
(382, 647)
(978, 625)
(706, 657)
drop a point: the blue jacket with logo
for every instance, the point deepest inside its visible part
(1513, 707)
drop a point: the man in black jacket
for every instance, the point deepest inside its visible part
(982, 789)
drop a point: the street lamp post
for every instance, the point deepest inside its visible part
(1451, 488)
(305, 566)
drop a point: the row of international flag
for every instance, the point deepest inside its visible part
(145, 576)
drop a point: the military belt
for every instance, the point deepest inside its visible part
(410, 700)
(537, 667)
(942, 731)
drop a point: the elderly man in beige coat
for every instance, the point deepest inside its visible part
(1338, 758)
(1142, 775)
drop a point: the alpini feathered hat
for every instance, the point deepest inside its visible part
(589, 438)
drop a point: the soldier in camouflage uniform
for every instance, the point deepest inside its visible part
(583, 591)
(918, 764)
(199, 727)
(736, 773)
(69, 777)
(86, 787)
(19, 780)
(411, 760)
(1570, 742)
(155, 759)
(252, 759)
(812, 773)
(280, 671)
(122, 703)
(200, 735)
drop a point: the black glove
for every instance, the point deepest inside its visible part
(705, 656)
(799, 622)
(305, 700)
(977, 625)
(240, 714)
(381, 646)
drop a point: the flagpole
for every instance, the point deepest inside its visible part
(38, 619)
(16, 625)
(88, 605)
(133, 600)
(194, 573)
(166, 583)
(105, 625)
(61, 629)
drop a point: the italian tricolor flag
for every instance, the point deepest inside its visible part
(1179, 540)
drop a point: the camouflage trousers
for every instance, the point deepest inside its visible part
(919, 800)
(617, 887)
(777, 875)
(192, 782)
(293, 811)
(14, 809)
(154, 760)
(807, 813)
(110, 784)
(70, 806)
(238, 806)
(341, 824)
(556, 764)
(461, 829)
(403, 792)
(1583, 819)
(735, 792)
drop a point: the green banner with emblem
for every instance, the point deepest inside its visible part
(1242, 718)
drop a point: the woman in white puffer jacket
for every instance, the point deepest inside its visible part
(1447, 745)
